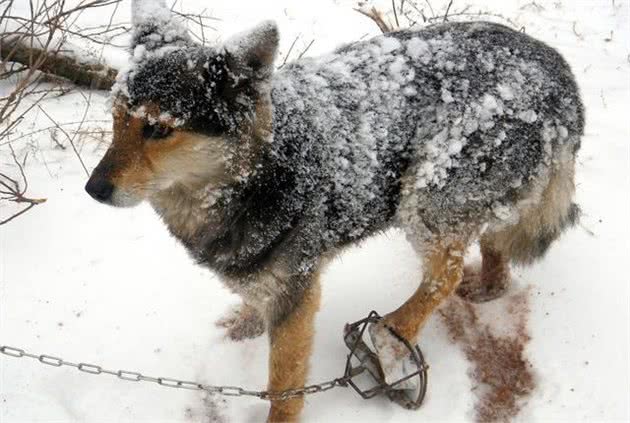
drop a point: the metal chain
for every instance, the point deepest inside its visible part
(231, 391)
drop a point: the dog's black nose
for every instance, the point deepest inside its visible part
(99, 188)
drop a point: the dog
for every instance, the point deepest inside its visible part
(454, 133)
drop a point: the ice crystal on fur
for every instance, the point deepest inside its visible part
(155, 27)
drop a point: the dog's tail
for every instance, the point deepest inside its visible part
(544, 239)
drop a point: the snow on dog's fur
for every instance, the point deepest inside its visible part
(454, 132)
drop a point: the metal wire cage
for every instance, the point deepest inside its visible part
(363, 360)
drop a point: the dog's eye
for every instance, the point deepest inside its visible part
(156, 131)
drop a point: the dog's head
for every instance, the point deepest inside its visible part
(184, 113)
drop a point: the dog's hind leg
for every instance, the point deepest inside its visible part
(489, 280)
(443, 268)
(291, 339)
(540, 223)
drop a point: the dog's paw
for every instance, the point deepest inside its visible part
(393, 355)
(478, 288)
(242, 322)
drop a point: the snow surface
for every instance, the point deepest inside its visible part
(108, 286)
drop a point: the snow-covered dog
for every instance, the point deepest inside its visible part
(453, 133)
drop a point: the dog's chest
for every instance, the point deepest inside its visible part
(186, 214)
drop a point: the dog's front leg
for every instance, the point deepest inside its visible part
(291, 337)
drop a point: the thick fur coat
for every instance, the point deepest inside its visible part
(456, 132)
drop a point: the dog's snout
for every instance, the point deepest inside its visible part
(99, 188)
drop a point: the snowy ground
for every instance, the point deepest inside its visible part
(108, 286)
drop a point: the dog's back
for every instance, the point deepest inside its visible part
(458, 124)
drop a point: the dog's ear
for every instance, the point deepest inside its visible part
(154, 26)
(251, 54)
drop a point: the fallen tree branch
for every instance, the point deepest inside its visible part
(90, 75)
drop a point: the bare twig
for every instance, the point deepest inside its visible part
(378, 19)
(68, 137)
(430, 8)
(396, 13)
(10, 190)
(50, 128)
(448, 8)
(286, 56)
(414, 14)
(303, 52)
(54, 138)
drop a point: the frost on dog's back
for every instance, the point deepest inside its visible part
(471, 113)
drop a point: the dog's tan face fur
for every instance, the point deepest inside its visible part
(140, 166)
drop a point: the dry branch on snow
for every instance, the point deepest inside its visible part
(96, 76)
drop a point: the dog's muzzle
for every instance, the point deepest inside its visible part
(99, 188)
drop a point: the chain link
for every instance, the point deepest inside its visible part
(230, 391)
